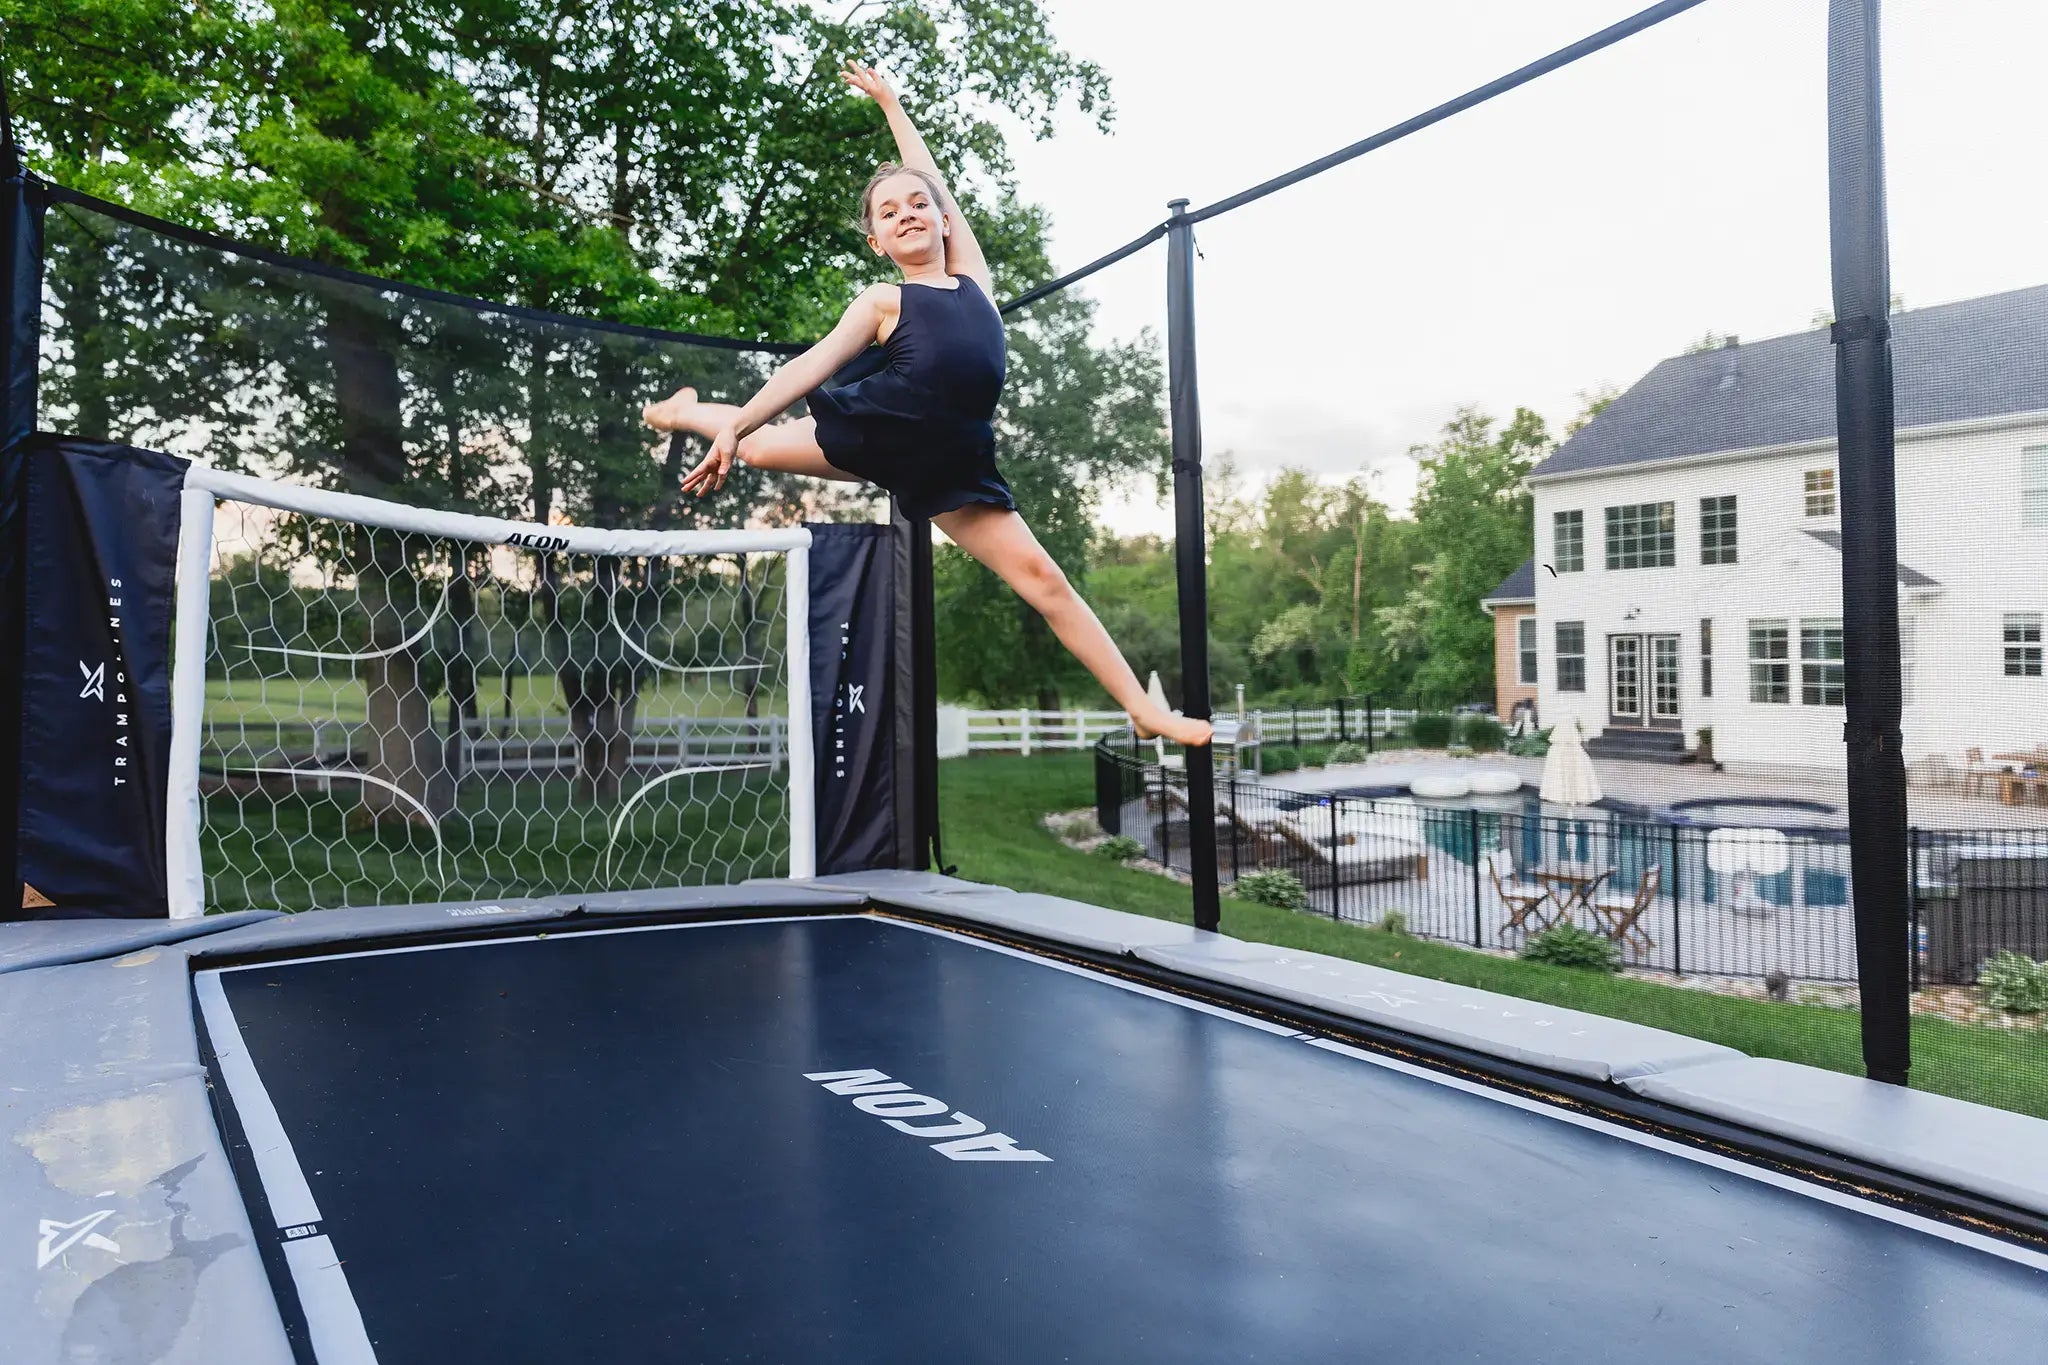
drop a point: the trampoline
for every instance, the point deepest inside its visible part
(899, 1117)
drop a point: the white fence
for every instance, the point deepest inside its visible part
(1029, 731)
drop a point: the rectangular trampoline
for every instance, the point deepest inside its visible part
(856, 1136)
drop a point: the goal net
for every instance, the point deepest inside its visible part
(379, 704)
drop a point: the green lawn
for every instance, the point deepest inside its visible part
(265, 701)
(991, 806)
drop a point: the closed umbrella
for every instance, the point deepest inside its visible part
(1157, 692)
(1568, 776)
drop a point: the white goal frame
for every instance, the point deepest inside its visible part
(205, 487)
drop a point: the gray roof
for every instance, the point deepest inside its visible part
(1908, 577)
(1979, 358)
(1519, 586)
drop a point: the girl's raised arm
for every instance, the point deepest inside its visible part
(963, 252)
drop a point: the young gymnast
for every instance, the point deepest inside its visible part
(921, 427)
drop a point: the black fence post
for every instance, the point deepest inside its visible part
(1472, 828)
(1677, 906)
(1913, 924)
(1343, 733)
(1860, 257)
(1233, 826)
(1191, 556)
(1368, 723)
(1294, 716)
(1165, 824)
(1336, 870)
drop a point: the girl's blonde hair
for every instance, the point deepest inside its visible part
(883, 172)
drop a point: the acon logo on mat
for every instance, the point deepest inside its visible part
(962, 1138)
(533, 540)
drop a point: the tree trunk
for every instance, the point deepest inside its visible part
(404, 751)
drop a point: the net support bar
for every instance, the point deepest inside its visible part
(803, 784)
(352, 507)
(184, 877)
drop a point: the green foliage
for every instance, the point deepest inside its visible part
(1278, 758)
(2014, 982)
(1432, 730)
(1347, 753)
(1473, 512)
(1082, 827)
(1119, 848)
(1482, 734)
(1274, 886)
(1314, 755)
(1568, 945)
(1394, 922)
(1535, 744)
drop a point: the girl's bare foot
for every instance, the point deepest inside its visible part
(1186, 731)
(671, 413)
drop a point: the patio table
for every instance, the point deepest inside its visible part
(2031, 783)
(1572, 886)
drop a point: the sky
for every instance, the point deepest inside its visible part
(1564, 237)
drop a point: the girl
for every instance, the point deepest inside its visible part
(921, 426)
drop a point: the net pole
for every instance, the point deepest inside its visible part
(184, 872)
(1190, 556)
(1860, 257)
(803, 784)
(21, 296)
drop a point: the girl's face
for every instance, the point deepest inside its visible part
(908, 226)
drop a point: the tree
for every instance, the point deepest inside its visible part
(517, 152)
(1472, 512)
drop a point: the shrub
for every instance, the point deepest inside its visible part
(1276, 886)
(1080, 827)
(1394, 922)
(2016, 983)
(1431, 730)
(1570, 946)
(1278, 758)
(1314, 755)
(1482, 733)
(1535, 744)
(1347, 753)
(1120, 847)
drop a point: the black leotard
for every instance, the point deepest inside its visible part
(921, 426)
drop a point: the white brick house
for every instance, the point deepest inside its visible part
(1688, 572)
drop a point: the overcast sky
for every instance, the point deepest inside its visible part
(1565, 236)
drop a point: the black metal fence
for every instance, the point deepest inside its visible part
(1677, 897)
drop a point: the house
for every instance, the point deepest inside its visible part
(1687, 574)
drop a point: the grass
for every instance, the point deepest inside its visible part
(296, 702)
(991, 806)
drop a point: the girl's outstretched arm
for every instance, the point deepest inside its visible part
(963, 252)
(854, 332)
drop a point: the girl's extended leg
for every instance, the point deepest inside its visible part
(789, 447)
(999, 538)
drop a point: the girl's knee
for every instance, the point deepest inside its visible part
(1042, 583)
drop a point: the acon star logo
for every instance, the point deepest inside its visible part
(95, 682)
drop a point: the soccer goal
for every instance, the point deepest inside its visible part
(378, 704)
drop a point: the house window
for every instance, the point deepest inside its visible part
(1820, 492)
(1820, 663)
(1642, 535)
(1525, 645)
(1706, 656)
(1770, 667)
(1568, 541)
(2034, 488)
(1717, 530)
(2023, 644)
(1571, 656)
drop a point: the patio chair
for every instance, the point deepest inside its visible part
(1976, 768)
(1520, 898)
(1622, 909)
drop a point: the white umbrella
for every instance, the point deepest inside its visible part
(1743, 853)
(1568, 776)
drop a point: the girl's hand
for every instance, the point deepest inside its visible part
(709, 475)
(869, 82)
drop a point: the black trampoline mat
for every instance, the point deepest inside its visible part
(604, 1146)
